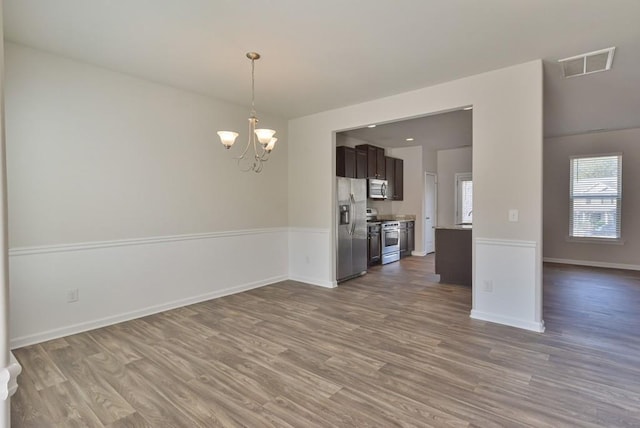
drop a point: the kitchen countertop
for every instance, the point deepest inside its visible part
(456, 227)
(397, 217)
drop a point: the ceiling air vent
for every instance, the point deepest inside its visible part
(587, 63)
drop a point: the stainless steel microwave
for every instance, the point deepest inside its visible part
(377, 189)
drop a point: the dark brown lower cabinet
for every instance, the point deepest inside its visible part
(374, 246)
(407, 238)
(453, 255)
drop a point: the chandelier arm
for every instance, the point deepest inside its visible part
(251, 128)
(246, 149)
(242, 162)
(255, 149)
(258, 160)
(264, 156)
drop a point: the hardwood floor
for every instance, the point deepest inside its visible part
(391, 348)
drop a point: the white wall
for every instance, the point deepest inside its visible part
(9, 366)
(343, 140)
(413, 200)
(450, 162)
(556, 199)
(119, 187)
(507, 167)
(109, 156)
(429, 160)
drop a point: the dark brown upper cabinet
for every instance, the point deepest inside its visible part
(361, 164)
(390, 168)
(345, 162)
(398, 193)
(395, 178)
(350, 163)
(376, 167)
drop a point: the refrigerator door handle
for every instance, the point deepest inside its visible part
(353, 215)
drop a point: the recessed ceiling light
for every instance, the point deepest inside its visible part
(409, 139)
(371, 126)
(468, 108)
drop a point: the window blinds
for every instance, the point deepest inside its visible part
(596, 196)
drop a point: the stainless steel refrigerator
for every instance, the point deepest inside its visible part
(351, 239)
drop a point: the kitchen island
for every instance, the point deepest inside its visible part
(453, 254)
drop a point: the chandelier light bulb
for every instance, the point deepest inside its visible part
(227, 138)
(271, 144)
(264, 135)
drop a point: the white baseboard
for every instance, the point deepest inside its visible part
(418, 253)
(592, 263)
(19, 342)
(513, 322)
(9, 377)
(314, 281)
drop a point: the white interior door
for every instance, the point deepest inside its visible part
(429, 212)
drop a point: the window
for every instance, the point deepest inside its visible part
(464, 198)
(596, 197)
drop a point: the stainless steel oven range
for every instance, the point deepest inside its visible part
(390, 241)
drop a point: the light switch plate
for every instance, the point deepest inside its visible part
(513, 215)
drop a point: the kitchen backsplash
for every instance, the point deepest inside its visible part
(383, 207)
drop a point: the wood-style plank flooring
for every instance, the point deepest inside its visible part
(391, 348)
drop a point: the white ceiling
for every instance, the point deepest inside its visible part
(319, 55)
(436, 132)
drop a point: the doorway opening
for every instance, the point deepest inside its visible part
(430, 210)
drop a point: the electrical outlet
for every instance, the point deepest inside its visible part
(73, 295)
(488, 285)
(307, 259)
(513, 215)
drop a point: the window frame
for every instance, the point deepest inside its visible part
(459, 178)
(619, 197)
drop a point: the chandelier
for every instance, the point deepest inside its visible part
(265, 139)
